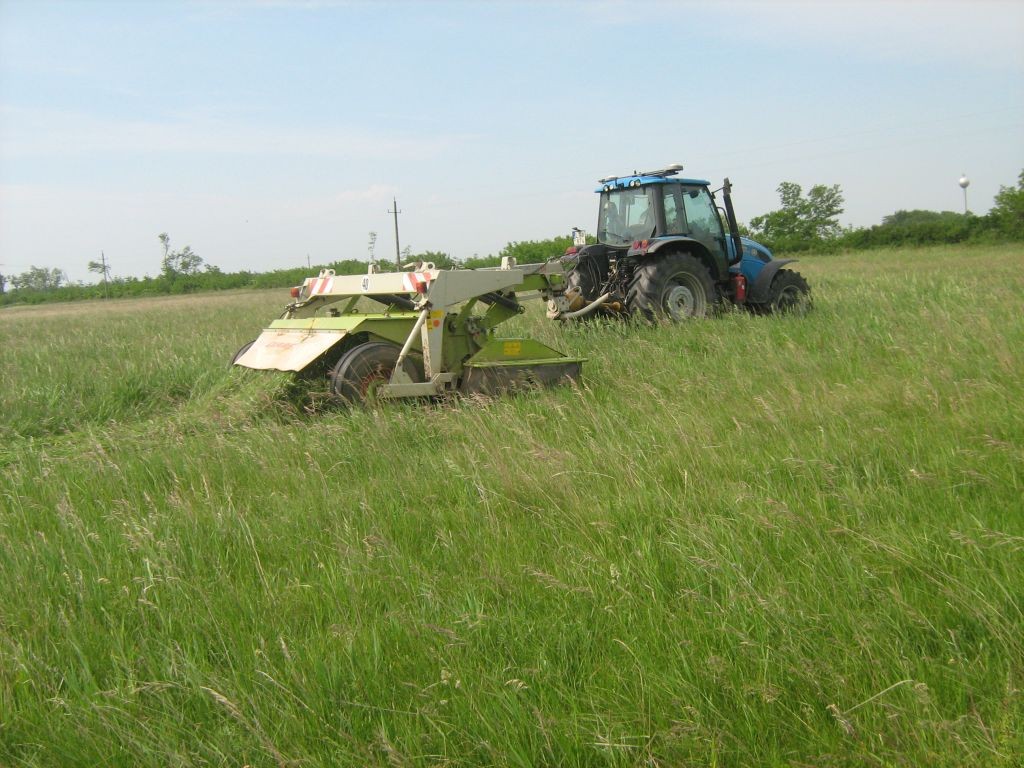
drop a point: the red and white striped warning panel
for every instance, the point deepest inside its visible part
(416, 282)
(320, 285)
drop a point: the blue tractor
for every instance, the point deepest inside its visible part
(663, 253)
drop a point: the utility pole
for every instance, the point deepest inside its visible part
(398, 250)
(309, 266)
(103, 260)
(102, 268)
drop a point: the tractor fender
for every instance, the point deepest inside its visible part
(662, 242)
(717, 267)
(758, 293)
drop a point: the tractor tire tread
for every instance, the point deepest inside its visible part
(787, 278)
(585, 277)
(650, 281)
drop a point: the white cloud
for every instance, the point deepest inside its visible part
(34, 131)
(321, 206)
(981, 33)
(975, 34)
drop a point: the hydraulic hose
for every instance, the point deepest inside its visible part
(389, 298)
(587, 310)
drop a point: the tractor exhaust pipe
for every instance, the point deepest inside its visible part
(730, 215)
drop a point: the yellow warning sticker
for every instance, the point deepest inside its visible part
(512, 348)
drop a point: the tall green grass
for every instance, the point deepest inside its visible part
(745, 541)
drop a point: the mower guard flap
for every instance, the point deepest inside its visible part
(288, 349)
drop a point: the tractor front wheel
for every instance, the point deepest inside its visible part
(676, 287)
(364, 368)
(789, 294)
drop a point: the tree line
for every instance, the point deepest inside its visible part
(184, 271)
(801, 223)
(811, 222)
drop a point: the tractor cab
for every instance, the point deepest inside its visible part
(657, 205)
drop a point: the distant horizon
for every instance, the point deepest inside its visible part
(260, 133)
(386, 259)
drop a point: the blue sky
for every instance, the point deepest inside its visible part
(260, 132)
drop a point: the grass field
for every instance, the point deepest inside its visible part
(744, 541)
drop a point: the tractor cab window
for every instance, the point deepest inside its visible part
(626, 215)
(702, 216)
(675, 216)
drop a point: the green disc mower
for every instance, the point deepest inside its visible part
(427, 332)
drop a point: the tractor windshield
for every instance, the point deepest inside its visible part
(626, 215)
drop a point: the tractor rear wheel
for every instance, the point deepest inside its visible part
(789, 294)
(676, 287)
(361, 371)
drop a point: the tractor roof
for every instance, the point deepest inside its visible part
(642, 179)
